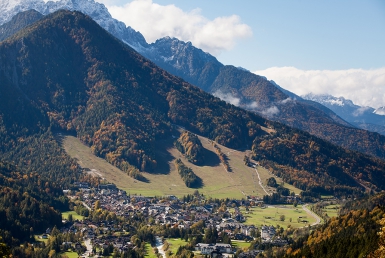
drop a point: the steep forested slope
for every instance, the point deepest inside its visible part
(18, 22)
(65, 73)
(253, 92)
(27, 204)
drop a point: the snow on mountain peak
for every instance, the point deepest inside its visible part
(98, 12)
(380, 111)
(329, 99)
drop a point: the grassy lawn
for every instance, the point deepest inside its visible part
(240, 244)
(175, 243)
(217, 182)
(74, 215)
(150, 251)
(71, 254)
(271, 216)
(39, 239)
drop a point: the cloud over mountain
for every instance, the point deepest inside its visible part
(155, 21)
(363, 87)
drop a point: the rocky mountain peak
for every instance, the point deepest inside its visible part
(98, 12)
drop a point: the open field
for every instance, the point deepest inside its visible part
(271, 216)
(175, 243)
(240, 244)
(332, 210)
(71, 254)
(74, 215)
(150, 251)
(217, 182)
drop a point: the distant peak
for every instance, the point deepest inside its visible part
(380, 111)
(328, 99)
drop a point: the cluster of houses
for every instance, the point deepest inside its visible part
(167, 211)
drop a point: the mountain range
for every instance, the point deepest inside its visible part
(235, 85)
(362, 117)
(66, 74)
(61, 73)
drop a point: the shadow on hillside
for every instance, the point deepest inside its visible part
(163, 157)
(143, 179)
(211, 158)
(198, 183)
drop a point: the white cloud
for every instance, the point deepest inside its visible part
(363, 87)
(361, 111)
(252, 106)
(271, 111)
(155, 21)
(227, 97)
(287, 100)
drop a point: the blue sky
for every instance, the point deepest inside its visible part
(304, 34)
(334, 47)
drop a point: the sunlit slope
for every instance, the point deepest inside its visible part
(217, 182)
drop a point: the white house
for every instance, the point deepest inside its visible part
(208, 248)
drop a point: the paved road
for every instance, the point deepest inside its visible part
(159, 245)
(88, 244)
(318, 220)
(85, 205)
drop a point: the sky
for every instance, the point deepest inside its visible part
(323, 47)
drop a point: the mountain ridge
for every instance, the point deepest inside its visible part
(362, 117)
(203, 70)
(74, 76)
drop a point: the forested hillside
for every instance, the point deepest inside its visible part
(28, 204)
(67, 74)
(354, 234)
(250, 91)
(18, 22)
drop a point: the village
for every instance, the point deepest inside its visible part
(225, 218)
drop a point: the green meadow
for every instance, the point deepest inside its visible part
(242, 181)
(271, 215)
(75, 216)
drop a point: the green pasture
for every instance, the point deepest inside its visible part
(217, 182)
(150, 251)
(332, 210)
(271, 216)
(75, 216)
(71, 254)
(175, 243)
(240, 244)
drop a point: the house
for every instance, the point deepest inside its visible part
(267, 232)
(209, 248)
